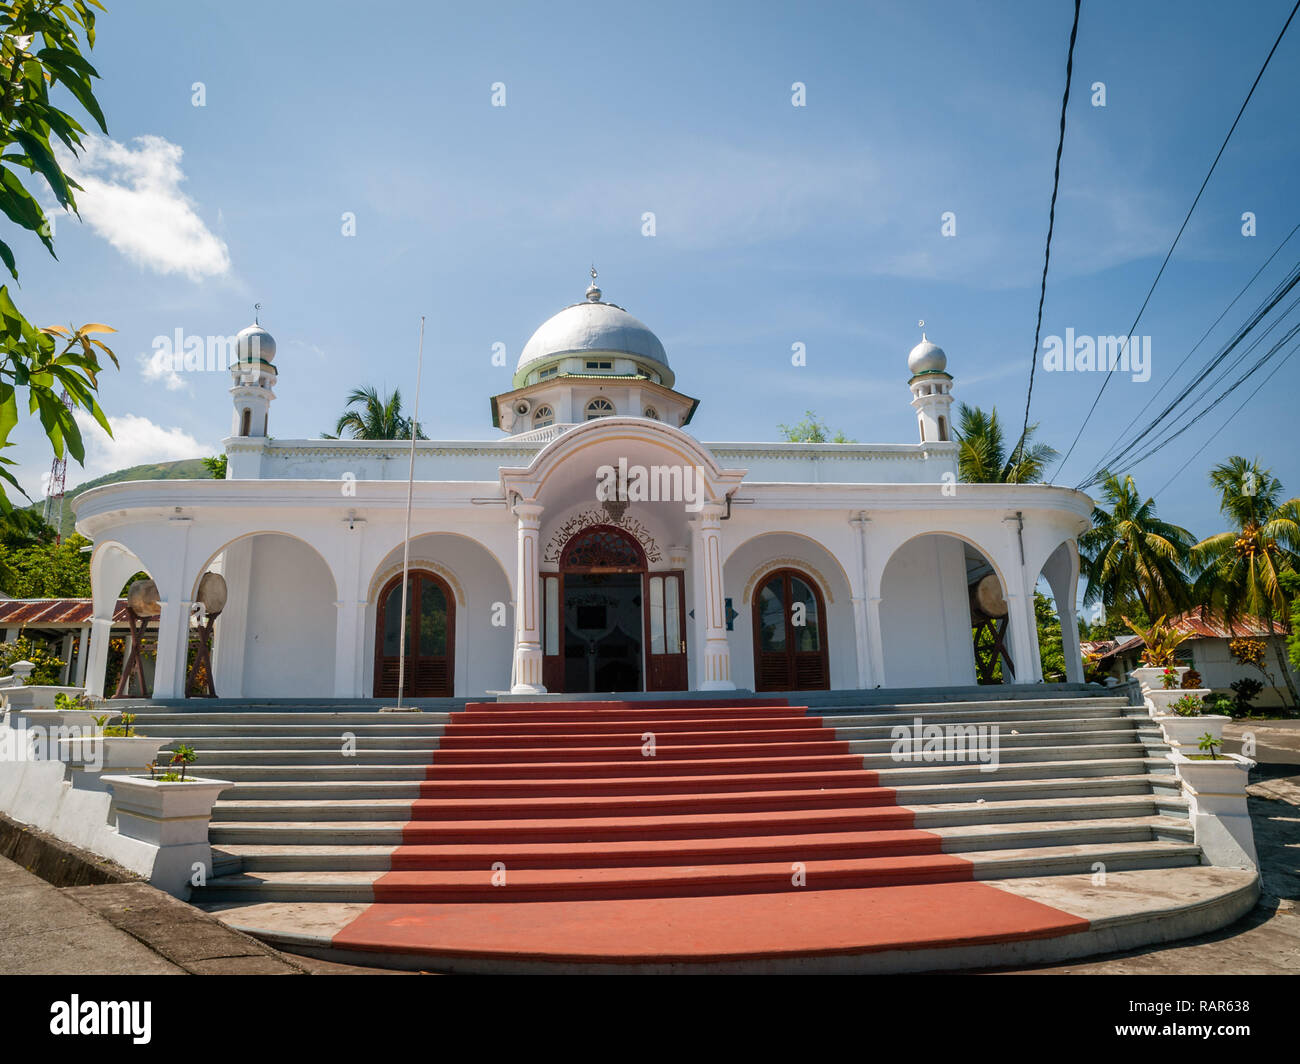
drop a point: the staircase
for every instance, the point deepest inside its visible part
(561, 802)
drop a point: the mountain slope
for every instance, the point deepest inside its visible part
(187, 469)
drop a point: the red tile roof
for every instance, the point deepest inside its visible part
(66, 612)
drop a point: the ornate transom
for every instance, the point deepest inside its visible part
(603, 547)
(593, 518)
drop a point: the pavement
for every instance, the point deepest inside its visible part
(133, 929)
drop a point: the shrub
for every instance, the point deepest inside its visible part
(1191, 680)
(1188, 706)
(48, 668)
(1246, 692)
(1169, 678)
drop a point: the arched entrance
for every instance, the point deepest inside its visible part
(430, 637)
(608, 624)
(790, 634)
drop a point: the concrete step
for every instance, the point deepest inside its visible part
(556, 884)
(369, 856)
(394, 832)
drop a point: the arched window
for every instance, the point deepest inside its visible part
(790, 634)
(246, 425)
(599, 407)
(943, 429)
(652, 413)
(543, 417)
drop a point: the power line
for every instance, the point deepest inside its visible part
(1270, 301)
(1181, 228)
(1214, 325)
(1051, 224)
(1231, 418)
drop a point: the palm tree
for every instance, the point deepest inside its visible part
(1129, 553)
(1240, 571)
(982, 454)
(379, 417)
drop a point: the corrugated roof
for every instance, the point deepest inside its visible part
(54, 612)
(1197, 624)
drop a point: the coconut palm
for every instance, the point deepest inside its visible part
(377, 417)
(1130, 554)
(982, 456)
(1240, 571)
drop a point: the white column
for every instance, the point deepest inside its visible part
(527, 677)
(65, 673)
(715, 661)
(83, 654)
(351, 612)
(1020, 608)
(97, 655)
(1070, 641)
(866, 614)
(232, 626)
(173, 580)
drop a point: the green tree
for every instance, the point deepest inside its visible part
(47, 570)
(1130, 554)
(812, 430)
(216, 466)
(982, 456)
(1240, 571)
(376, 417)
(40, 50)
(1051, 650)
(1291, 586)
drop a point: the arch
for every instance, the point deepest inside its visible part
(927, 625)
(838, 570)
(430, 665)
(214, 555)
(543, 416)
(791, 636)
(603, 548)
(599, 407)
(652, 413)
(246, 423)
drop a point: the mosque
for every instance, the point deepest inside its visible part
(596, 546)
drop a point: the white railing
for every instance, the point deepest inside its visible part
(542, 435)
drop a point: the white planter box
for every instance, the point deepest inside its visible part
(1161, 700)
(1150, 676)
(1216, 796)
(173, 818)
(90, 757)
(34, 696)
(1186, 732)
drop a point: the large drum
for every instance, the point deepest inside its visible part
(142, 599)
(212, 593)
(986, 596)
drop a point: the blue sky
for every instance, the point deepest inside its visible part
(775, 224)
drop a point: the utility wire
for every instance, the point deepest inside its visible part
(1181, 228)
(1179, 368)
(1047, 253)
(1231, 417)
(1271, 301)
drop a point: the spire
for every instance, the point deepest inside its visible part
(593, 293)
(256, 307)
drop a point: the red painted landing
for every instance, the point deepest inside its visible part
(714, 928)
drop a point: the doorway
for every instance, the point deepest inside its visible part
(430, 637)
(790, 634)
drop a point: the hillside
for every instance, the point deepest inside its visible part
(188, 469)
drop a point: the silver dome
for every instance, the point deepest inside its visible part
(588, 328)
(927, 357)
(254, 344)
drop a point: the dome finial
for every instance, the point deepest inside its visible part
(593, 293)
(256, 308)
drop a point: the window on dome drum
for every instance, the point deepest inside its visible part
(599, 365)
(652, 413)
(543, 417)
(599, 408)
(547, 373)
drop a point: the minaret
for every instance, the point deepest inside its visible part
(931, 391)
(254, 374)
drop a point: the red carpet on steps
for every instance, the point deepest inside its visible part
(694, 853)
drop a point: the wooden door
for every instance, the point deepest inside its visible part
(789, 634)
(665, 631)
(430, 637)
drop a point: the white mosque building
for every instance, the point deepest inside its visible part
(597, 546)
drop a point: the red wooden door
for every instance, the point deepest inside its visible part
(789, 634)
(430, 637)
(665, 631)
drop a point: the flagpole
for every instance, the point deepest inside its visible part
(406, 540)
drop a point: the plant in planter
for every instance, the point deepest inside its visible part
(1187, 706)
(1191, 680)
(80, 701)
(1162, 642)
(1210, 745)
(123, 730)
(1169, 678)
(183, 755)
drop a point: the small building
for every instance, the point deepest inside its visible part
(1206, 651)
(63, 624)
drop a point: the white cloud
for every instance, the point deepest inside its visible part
(135, 440)
(132, 198)
(159, 366)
